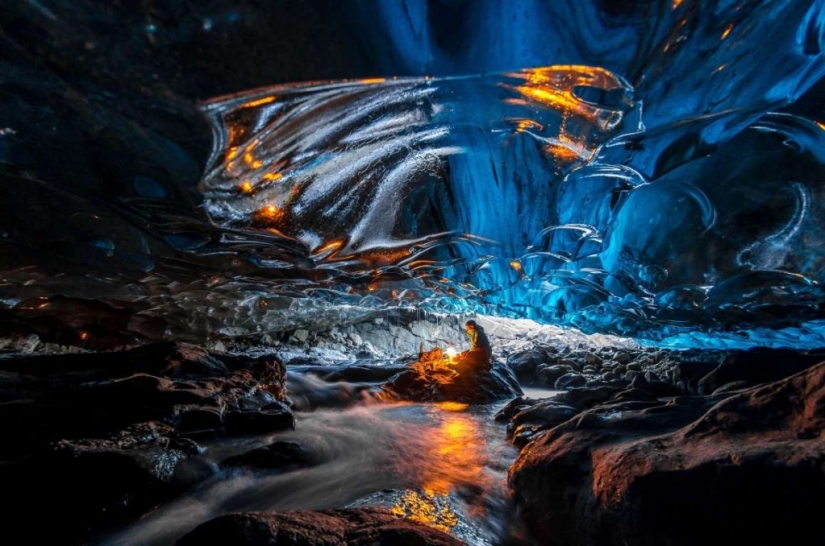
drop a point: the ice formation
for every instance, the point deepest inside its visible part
(666, 181)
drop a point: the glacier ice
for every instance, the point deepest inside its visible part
(665, 181)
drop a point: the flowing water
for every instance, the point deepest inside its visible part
(442, 464)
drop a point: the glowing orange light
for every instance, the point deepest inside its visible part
(257, 164)
(272, 177)
(676, 3)
(562, 152)
(727, 31)
(452, 406)
(259, 102)
(84, 335)
(515, 264)
(248, 157)
(821, 125)
(269, 212)
(246, 187)
(372, 80)
(422, 508)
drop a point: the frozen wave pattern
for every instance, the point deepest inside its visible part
(374, 173)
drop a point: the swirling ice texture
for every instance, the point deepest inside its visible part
(471, 192)
(708, 213)
(438, 180)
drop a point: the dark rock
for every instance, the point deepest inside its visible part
(276, 456)
(99, 484)
(743, 468)
(659, 389)
(350, 527)
(570, 381)
(200, 419)
(513, 407)
(758, 365)
(621, 357)
(633, 395)
(525, 365)
(272, 418)
(573, 363)
(733, 386)
(258, 400)
(630, 375)
(549, 375)
(441, 384)
(587, 397)
(690, 372)
(543, 415)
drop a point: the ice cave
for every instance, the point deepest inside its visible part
(351, 272)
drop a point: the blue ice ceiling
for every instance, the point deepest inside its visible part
(650, 168)
(660, 184)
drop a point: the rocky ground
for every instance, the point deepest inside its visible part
(636, 445)
(657, 448)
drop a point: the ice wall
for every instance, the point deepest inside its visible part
(646, 168)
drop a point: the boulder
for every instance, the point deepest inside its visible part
(757, 365)
(272, 418)
(350, 527)
(525, 365)
(735, 469)
(439, 384)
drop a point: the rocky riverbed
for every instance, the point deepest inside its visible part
(626, 444)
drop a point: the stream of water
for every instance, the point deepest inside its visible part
(442, 464)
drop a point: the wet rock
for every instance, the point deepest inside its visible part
(621, 357)
(633, 395)
(513, 407)
(272, 418)
(688, 374)
(758, 365)
(630, 375)
(541, 416)
(525, 365)
(587, 397)
(351, 527)
(99, 484)
(441, 384)
(200, 419)
(743, 468)
(549, 375)
(276, 456)
(733, 386)
(570, 380)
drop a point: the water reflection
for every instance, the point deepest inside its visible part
(443, 465)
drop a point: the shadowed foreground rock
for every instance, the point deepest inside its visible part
(749, 469)
(107, 436)
(353, 527)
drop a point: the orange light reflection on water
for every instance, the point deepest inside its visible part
(455, 459)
